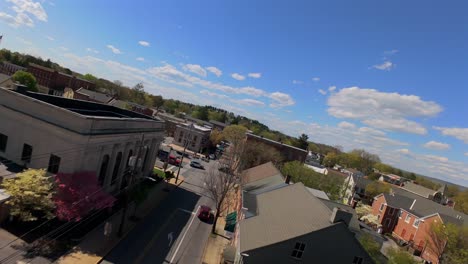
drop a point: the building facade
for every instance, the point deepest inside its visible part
(195, 137)
(70, 136)
(10, 68)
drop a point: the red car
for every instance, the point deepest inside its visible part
(205, 214)
(174, 160)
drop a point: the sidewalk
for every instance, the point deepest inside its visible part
(96, 245)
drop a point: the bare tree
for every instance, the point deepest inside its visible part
(220, 183)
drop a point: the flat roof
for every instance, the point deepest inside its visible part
(275, 142)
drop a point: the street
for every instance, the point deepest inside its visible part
(172, 232)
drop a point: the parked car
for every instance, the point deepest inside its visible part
(205, 213)
(174, 160)
(196, 164)
(212, 156)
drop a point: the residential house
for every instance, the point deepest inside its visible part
(438, 196)
(392, 179)
(355, 190)
(408, 217)
(6, 81)
(288, 152)
(352, 172)
(196, 138)
(290, 225)
(92, 96)
(71, 136)
(317, 167)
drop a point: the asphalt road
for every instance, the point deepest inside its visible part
(172, 232)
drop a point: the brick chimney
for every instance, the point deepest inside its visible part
(288, 179)
(340, 215)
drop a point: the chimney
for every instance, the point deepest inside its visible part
(339, 215)
(288, 179)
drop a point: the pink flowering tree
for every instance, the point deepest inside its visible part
(78, 194)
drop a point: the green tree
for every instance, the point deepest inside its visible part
(302, 141)
(215, 137)
(461, 201)
(398, 256)
(90, 77)
(31, 194)
(234, 133)
(371, 246)
(138, 94)
(330, 160)
(25, 78)
(157, 101)
(376, 188)
(255, 154)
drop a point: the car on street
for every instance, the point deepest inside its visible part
(212, 156)
(196, 164)
(205, 214)
(174, 160)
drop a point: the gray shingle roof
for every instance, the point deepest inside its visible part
(259, 172)
(354, 223)
(100, 97)
(318, 193)
(280, 219)
(418, 189)
(4, 77)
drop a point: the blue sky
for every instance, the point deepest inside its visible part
(387, 76)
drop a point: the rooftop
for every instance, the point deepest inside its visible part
(260, 172)
(4, 77)
(418, 189)
(275, 142)
(100, 97)
(280, 219)
(318, 193)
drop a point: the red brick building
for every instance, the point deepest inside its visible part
(409, 218)
(57, 81)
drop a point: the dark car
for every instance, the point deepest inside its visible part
(205, 213)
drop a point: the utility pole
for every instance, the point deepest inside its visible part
(134, 164)
(185, 148)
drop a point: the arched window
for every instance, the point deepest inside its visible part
(103, 170)
(127, 171)
(145, 158)
(115, 173)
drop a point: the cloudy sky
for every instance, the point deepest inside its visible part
(387, 76)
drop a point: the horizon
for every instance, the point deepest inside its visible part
(359, 79)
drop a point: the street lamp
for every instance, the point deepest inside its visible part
(188, 136)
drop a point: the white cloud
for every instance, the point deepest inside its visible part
(436, 145)
(114, 49)
(389, 111)
(63, 48)
(50, 38)
(466, 154)
(140, 59)
(249, 102)
(238, 76)
(316, 79)
(281, 100)
(24, 41)
(432, 158)
(390, 52)
(22, 8)
(171, 74)
(297, 82)
(323, 92)
(217, 95)
(346, 125)
(195, 68)
(385, 66)
(332, 88)
(255, 75)
(371, 131)
(456, 132)
(214, 70)
(404, 151)
(144, 43)
(92, 50)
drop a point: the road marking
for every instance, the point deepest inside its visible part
(187, 211)
(183, 237)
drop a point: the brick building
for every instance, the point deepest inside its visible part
(409, 217)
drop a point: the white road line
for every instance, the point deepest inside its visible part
(183, 237)
(187, 211)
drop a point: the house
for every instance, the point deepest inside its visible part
(6, 81)
(131, 106)
(392, 179)
(196, 138)
(316, 167)
(92, 96)
(355, 189)
(352, 172)
(408, 217)
(436, 196)
(283, 230)
(70, 136)
(288, 152)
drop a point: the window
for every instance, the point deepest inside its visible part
(381, 207)
(298, 250)
(416, 222)
(388, 222)
(400, 213)
(378, 217)
(391, 211)
(145, 158)
(408, 218)
(54, 164)
(357, 260)
(3, 142)
(103, 170)
(27, 153)
(115, 172)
